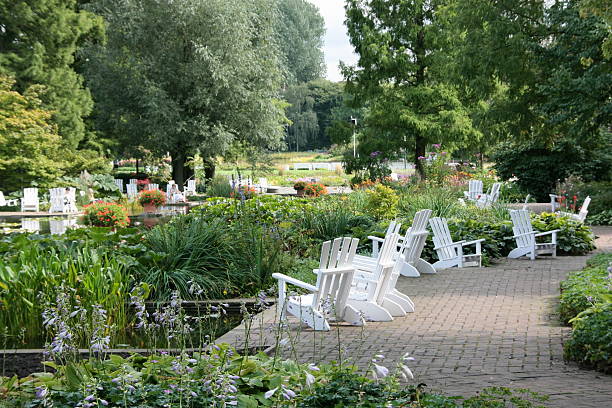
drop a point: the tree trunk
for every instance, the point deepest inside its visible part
(180, 172)
(419, 151)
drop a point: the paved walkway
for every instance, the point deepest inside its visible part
(473, 328)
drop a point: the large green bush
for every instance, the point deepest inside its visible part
(583, 288)
(591, 340)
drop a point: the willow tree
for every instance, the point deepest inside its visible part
(187, 76)
(400, 75)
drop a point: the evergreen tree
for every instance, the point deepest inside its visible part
(38, 42)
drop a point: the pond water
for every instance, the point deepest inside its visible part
(58, 225)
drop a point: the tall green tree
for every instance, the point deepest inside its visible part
(29, 143)
(300, 30)
(310, 112)
(187, 76)
(400, 73)
(38, 42)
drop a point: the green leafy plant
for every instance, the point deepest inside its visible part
(101, 214)
(591, 340)
(381, 202)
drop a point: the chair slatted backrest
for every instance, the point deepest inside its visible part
(584, 210)
(416, 237)
(152, 186)
(56, 199)
(30, 225)
(334, 286)
(191, 185)
(474, 189)
(494, 195)
(521, 224)
(133, 181)
(119, 183)
(442, 236)
(30, 195)
(384, 268)
(132, 190)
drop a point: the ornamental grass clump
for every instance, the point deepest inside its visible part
(152, 197)
(101, 214)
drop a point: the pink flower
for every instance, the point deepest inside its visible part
(443, 153)
(421, 157)
(437, 145)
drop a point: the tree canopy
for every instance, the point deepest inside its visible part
(186, 76)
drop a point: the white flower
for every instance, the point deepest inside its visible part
(270, 393)
(310, 379)
(313, 367)
(381, 371)
(406, 372)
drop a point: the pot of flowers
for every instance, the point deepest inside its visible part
(151, 200)
(315, 189)
(299, 187)
(101, 214)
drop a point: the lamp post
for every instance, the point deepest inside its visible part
(354, 123)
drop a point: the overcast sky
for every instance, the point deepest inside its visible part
(337, 47)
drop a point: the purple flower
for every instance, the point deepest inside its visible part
(42, 392)
(437, 145)
(374, 154)
(421, 157)
(443, 153)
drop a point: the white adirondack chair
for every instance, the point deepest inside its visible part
(190, 189)
(411, 263)
(554, 203)
(56, 199)
(119, 183)
(377, 242)
(132, 190)
(525, 237)
(582, 214)
(133, 181)
(450, 253)
(474, 190)
(371, 286)
(29, 202)
(152, 186)
(4, 202)
(487, 200)
(263, 185)
(328, 299)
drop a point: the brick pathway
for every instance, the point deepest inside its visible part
(473, 328)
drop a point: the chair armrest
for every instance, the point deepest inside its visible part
(473, 242)
(525, 233)
(293, 281)
(454, 244)
(377, 239)
(347, 268)
(540, 234)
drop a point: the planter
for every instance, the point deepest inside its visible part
(300, 193)
(149, 208)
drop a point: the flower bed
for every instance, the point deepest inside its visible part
(315, 189)
(101, 214)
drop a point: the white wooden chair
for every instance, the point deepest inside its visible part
(412, 245)
(152, 186)
(56, 199)
(450, 253)
(262, 185)
(525, 237)
(29, 202)
(377, 242)
(582, 214)
(10, 202)
(70, 200)
(328, 298)
(133, 181)
(119, 183)
(132, 190)
(487, 200)
(554, 202)
(474, 190)
(190, 189)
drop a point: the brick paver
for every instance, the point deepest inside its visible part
(473, 328)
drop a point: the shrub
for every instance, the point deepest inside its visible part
(315, 189)
(300, 185)
(381, 202)
(219, 187)
(152, 197)
(101, 214)
(583, 288)
(591, 341)
(574, 237)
